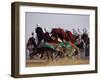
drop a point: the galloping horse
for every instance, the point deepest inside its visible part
(35, 49)
(65, 36)
(59, 33)
(30, 45)
(86, 41)
(40, 35)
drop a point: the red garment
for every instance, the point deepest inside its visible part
(70, 36)
(60, 32)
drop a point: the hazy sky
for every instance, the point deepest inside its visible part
(49, 21)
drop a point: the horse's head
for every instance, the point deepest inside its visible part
(85, 37)
(38, 30)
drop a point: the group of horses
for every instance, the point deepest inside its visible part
(54, 38)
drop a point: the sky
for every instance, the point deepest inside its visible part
(51, 20)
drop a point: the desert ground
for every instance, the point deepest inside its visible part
(63, 61)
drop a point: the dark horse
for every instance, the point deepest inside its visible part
(40, 35)
(35, 49)
(30, 45)
(86, 41)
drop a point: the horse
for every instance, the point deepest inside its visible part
(36, 49)
(66, 36)
(86, 42)
(31, 44)
(59, 33)
(40, 35)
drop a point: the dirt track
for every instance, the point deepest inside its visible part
(59, 62)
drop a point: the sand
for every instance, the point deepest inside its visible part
(58, 62)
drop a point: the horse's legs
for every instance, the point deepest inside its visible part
(42, 55)
(39, 41)
(47, 56)
(58, 55)
(52, 56)
(34, 44)
(31, 55)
